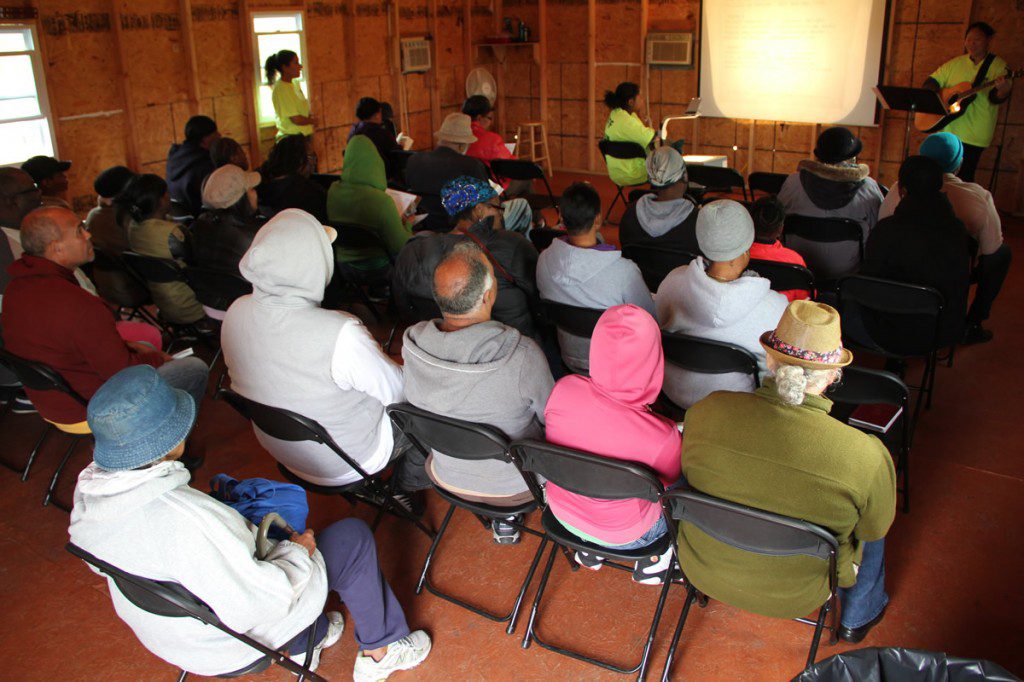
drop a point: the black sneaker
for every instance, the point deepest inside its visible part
(411, 501)
(22, 405)
(589, 561)
(977, 334)
(654, 570)
(504, 533)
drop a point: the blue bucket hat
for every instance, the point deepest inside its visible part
(465, 192)
(137, 418)
(946, 149)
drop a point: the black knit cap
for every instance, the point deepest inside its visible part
(921, 176)
(110, 182)
(837, 144)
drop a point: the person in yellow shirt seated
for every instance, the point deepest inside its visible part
(978, 124)
(291, 108)
(627, 123)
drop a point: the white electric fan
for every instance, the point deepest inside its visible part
(481, 82)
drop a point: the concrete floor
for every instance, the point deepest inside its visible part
(953, 563)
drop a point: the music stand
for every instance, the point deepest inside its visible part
(912, 101)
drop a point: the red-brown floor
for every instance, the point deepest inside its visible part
(953, 563)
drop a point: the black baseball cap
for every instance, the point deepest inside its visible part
(43, 167)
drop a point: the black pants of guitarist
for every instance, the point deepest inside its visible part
(972, 155)
(989, 273)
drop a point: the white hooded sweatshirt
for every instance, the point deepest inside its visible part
(738, 312)
(149, 522)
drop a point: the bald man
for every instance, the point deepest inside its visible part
(48, 317)
(471, 367)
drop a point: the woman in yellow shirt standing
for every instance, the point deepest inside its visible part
(291, 108)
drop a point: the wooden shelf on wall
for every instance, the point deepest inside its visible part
(499, 49)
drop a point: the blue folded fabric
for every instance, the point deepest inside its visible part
(254, 498)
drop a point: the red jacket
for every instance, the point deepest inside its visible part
(777, 252)
(488, 146)
(49, 318)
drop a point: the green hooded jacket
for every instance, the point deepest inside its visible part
(359, 197)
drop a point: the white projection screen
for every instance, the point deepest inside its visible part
(807, 61)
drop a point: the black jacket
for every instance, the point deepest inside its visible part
(427, 172)
(187, 166)
(924, 243)
(682, 237)
(416, 262)
(292, 191)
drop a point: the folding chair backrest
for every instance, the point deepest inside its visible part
(570, 318)
(454, 437)
(715, 178)
(325, 180)
(863, 386)
(828, 230)
(39, 376)
(517, 169)
(134, 292)
(622, 150)
(354, 236)
(155, 270)
(655, 262)
(888, 296)
(749, 529)
(706, 356)
(277, 422)
(587, 474)
(400, 157)
(214, 287)
(419, 309)
(766, 182)
(784, 276)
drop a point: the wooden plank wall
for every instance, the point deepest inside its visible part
(110, 109)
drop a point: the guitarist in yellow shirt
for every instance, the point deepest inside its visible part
(976, 126)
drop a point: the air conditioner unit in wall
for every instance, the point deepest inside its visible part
(670, 49)
(415, 55)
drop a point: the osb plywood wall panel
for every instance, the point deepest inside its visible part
(85, 89)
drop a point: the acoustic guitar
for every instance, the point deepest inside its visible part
(957, 99)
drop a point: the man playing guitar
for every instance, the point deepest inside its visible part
(976, 126)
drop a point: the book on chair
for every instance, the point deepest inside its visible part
(878, 418)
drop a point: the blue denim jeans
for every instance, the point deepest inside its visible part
(866, 599)
(653, 534)
(188, 374)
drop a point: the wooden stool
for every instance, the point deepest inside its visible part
(534, 134)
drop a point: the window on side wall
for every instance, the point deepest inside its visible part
(273, 32)
(26, 128)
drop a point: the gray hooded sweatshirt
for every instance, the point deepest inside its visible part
(737, 312)
(589, 278)
(488, 373)
(282, 349)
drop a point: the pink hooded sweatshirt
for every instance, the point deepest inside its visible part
(607, 414)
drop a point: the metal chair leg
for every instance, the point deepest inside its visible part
(818, 626)
(528, 637)
(618, 195)
(433, 548)
(35, 451)
(526, 584)
(691, 595)
(182, 676)
(642, 673)
(56, 476)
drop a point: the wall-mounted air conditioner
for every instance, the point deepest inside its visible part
(670, 49)
(415, 55)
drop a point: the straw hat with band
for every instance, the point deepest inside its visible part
(808, 335)
(457, 128)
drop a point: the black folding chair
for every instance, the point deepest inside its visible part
(863, 386)
(172, 600)
(325, 180)
(471, 442)
(825, 231)
(587, 474)
(716, 179)
(570, 318)
(655, 262)
(784, 276)
(521, 169)
(362, 238)
(41, 377)
(437, 220)
(153, 270)
(910, 303)
(286, 425)
(621, 150)
(414, 309)
(131, 297)
(399, 158)
(705, 356)
(769, 183)
(759, 532)
(215, 288)
(180, 212)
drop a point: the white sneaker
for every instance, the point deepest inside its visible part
(335, 626)
(405, 654)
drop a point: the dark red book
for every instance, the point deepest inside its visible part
(878, 418)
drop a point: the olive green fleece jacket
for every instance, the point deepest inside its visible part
(359, 197)
(794, 460)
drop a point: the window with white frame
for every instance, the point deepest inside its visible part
(25, 126)
(273, 32)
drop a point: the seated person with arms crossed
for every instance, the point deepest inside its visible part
(668, 217)
(134, 508)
